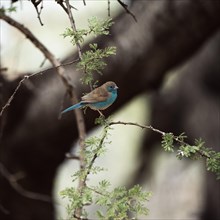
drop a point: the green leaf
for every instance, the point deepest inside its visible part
(167, 142)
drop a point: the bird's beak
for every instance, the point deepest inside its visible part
(116, 87)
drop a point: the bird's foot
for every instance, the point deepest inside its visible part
(100, 113)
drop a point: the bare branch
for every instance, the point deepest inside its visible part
(36, 3)
(126, 9)
(15, 91)
(176, 138)
(56, 64)
(12, 180)
(138, 125)
(26, 77)
(73, 26)
(109, 14)
(60, 2)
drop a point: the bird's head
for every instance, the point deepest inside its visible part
(111, 86)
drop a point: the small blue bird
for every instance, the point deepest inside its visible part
(98, 99)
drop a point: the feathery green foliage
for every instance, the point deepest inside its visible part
(92, 60)
(197, 151)
(118, 202)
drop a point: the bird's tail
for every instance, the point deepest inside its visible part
(78, 105)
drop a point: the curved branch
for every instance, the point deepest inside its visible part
(12, 180)
(55, 63)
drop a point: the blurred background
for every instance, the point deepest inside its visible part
(167, 70)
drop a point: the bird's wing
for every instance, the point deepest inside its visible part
(99, 94)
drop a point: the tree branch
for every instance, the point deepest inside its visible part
(12, 180)
(36, 3)
(176, 138)
(26, 77)
(126, 9)
(73, 26)
(55, 63)
(79, 117)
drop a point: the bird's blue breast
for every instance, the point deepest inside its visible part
(105, 104)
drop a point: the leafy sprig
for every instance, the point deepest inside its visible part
(4, 10)
(119, 202)
(92, 60)
(196, 151)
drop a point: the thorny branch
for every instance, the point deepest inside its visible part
(36, 3)
(79, 117)
(95, 155)
(126, 9)
(176, 138)
(55, 63)
(73, 26)
(26, 77)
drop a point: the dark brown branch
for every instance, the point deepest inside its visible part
(36, 3)
(12, 180)
(60, 2)
(126, 9)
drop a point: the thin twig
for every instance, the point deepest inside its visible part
(138, 125)
(26, 77)
(60, 2)
(104, 136)
(95, 155)
(55, 63)
(15, 91)
(73, 26)
(126, 9)
(79, 117)
(176, 138)
(19, 189)
(36, 3)
(109, 14)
